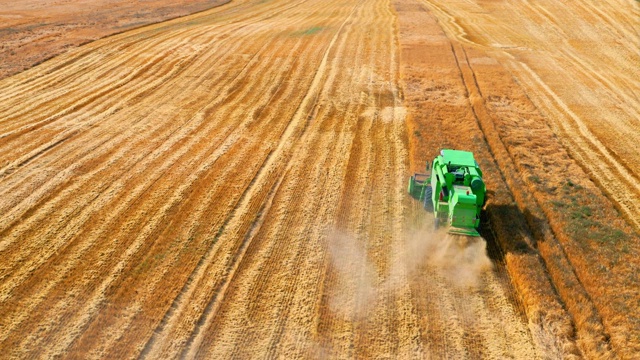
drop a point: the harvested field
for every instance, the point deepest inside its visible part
(232, 184)
(32, 31)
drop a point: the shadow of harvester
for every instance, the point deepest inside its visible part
(505, 229)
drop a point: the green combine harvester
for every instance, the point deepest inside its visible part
(453, 191)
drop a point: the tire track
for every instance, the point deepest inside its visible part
(592, 336)
(457, 322)
(312, 346)
(178, 35)
(65, 155)
(62, 156)
(150, 77)
(294, 130)
(213, 105)
(592, 154)
(590, 124)
(192, 288)
(190, 211)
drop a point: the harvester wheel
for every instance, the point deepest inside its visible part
(428, 202)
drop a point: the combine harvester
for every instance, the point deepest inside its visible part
(453, 191)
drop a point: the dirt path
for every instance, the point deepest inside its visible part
(231, 184)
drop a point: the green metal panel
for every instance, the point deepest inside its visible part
(463, 210)
(411, 187)
(463, 231)
(458, 157)
(416, 186)
(456, 188)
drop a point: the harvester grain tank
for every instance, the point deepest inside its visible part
(453, 190)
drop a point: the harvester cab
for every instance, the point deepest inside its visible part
(453, 190)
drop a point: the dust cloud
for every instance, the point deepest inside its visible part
(459, 261)
(356, 275)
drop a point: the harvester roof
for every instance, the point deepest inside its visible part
(458, 157)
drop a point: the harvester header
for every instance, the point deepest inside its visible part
(453, 190)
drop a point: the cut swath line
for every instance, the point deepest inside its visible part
(299, 119)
